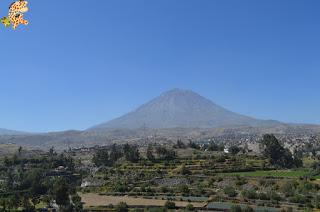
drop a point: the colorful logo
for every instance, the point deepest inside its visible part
(15, 14)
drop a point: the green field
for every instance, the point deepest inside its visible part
(272, 173)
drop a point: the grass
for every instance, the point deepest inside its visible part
(272, 173)
(228, 205)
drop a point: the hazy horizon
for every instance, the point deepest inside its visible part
(75, 71)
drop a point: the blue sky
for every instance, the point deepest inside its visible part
(80, 63)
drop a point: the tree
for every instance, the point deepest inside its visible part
(52, 152)
(27, 206)
(115, 153)
(131, 153)
(150, 155)
(20, 150)
(101, 158)
(7, 162)
(213, 146)
(165, 153)
(276, 153)
(180, 144)
(76, 201)
(61, 192)
(234, 150)
(193, 145)
(297, 158)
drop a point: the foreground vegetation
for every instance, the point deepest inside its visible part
(160, 177)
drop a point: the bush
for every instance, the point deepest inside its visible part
(240, 181)
(157, 209)
(189, 207)
(298, 199)
(264, 196)
(122, 207)
(250, 194)
(235, 208)
(221, 159)
(275, 196)
(184, 189)
(184, 170)
(230, 191)
(170, 205)
(288, 188)
(248, 209)
(234, 150)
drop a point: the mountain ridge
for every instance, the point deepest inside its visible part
(181, 108)
(4, 131)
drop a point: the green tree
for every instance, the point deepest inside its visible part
(101, 158)
(276, 153)
(150, 155)
(165, 154)
(131, 153)
(76, 201)
(297, 158)
(61, 192)
(115, 153)
(20, 150)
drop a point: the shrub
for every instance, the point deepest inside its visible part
(230, 191)
(170, 205)
(248, 209)
(184, 170)
(122, 207)
(184, 189)
(275, 196)
(298, 199)
(221, 159)
(264, 196)
(234, 150)
(189, 207)
(235, 208)
(250, 194)
(240, 181)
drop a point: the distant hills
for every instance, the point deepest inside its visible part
(10, 132)
(181, 109)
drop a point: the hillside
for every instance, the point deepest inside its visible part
(10, 132)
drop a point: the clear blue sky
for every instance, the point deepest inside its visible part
(80, 63)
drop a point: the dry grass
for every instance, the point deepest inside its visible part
(94, 200)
